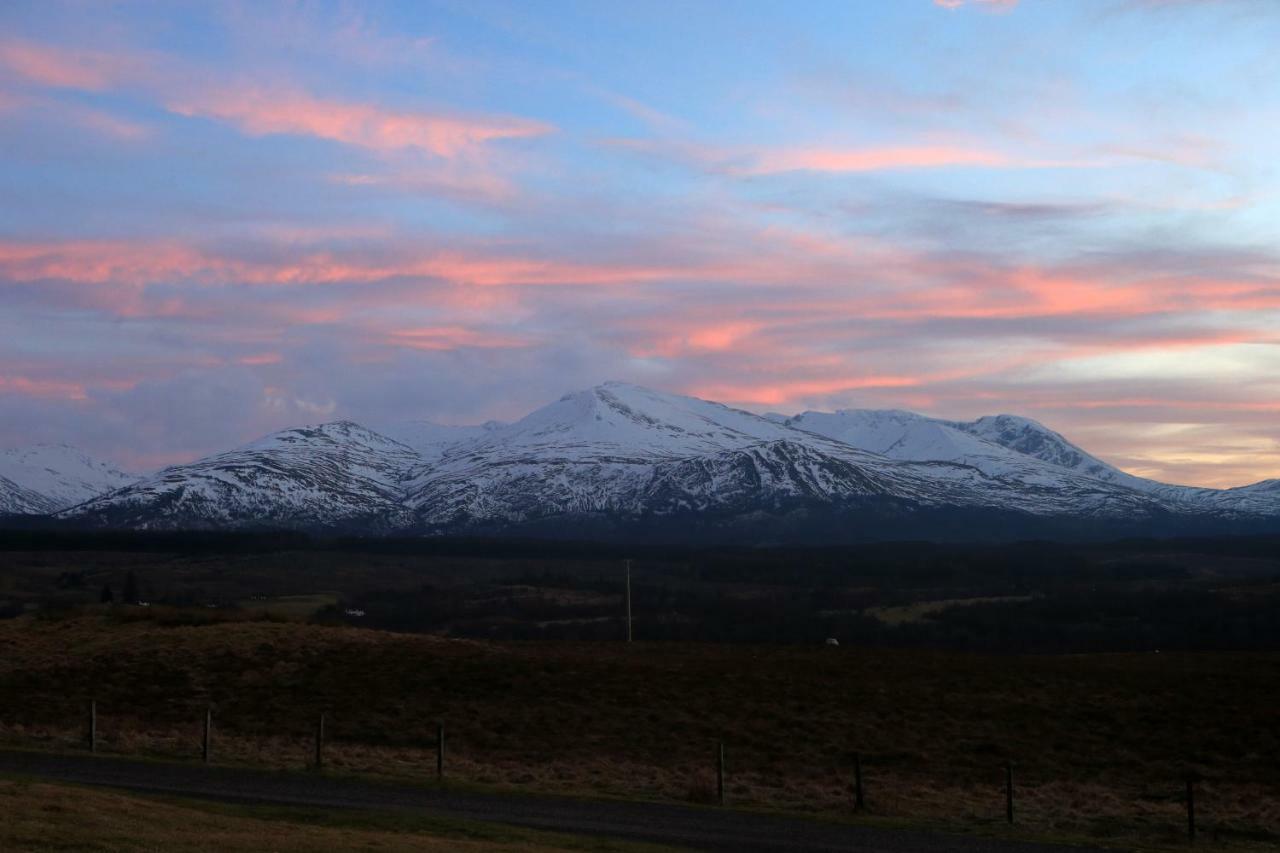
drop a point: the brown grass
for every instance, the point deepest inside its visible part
(1100, 743)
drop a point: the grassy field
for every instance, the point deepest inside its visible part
(297, 607)
(923, 610)
(1101, 743)
(44, 818)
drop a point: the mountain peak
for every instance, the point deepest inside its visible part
(330, 432)
(1006, 421)
(626, 421)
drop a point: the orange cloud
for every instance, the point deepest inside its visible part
(262, 112)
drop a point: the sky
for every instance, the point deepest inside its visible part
(222, 219)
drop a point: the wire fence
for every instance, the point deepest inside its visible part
(987, 792)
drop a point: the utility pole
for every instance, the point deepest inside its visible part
(628, 601)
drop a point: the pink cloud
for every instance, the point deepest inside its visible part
(898, 284)
(106, 124)
(807, 158)
(472, 184)
(62, 68)
(443, 338)
(670, 337)
(262, 112)
(10, 102)
(141, 262)
(261, 358)
(782, 391)
(44, 388)
(874, 159)
(97, 261)
(993, 5)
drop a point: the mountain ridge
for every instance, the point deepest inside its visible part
(619, 457)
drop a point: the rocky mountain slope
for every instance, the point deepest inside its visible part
(15, 500)
(45, 478)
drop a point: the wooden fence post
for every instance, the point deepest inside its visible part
(319, 761)
(720, 773)
(93, 725)
(858, 804)
(1191, 808)
(1008, 791)
(628, 601)
(208, 735)
(439, 752)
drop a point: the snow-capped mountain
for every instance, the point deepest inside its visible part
(621, 460)
(630, 422)
(1001, 446)
(334, 475)
(45, 478)
(588, 452)
(1010, 445)
(631, 452)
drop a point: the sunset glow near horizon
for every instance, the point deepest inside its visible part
(224, 219)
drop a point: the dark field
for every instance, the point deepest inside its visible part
(1035, 597)
(1101, 742)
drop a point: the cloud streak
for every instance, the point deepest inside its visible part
(261, 112)
(64, 68)
(876, 159)
(991, 5)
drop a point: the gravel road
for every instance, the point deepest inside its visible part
(680, 826)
